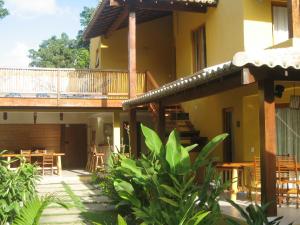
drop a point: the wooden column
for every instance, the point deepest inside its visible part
(132, 51)
(267, 144)
(160, 122)
(294, 18)
(133, 132)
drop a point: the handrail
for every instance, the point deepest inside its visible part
(67, 83)
(151, 81)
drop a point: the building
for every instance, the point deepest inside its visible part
(225, 62)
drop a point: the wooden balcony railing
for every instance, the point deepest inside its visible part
(67, 83)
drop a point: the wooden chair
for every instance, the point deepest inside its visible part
(256, 178)
(287, 180)
(26, 152)
(48, 163)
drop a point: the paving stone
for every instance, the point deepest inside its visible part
(62, 219)
(91, 197)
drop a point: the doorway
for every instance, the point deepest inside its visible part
(74, 145)
(228, 152)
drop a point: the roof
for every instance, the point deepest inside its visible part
(184, 83)
(277, 57)
(283, 58)
(107, 13)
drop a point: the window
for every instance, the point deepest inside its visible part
(280, 24)
(199, 49)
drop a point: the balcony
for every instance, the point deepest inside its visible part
(67, 87)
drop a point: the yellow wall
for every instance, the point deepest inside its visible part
(224, 34)
(95, 43)
(155, 49)
(257, 24)
(231, 27)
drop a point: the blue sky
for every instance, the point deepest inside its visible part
(32, 21)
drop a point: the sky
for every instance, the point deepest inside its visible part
(32, 21)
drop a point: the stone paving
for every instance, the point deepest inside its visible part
(78, 181)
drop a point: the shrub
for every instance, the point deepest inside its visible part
(16, 187)
(160, 187)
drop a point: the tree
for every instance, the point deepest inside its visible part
(85, 18)
(3, 11)
(59, 52)
(63, 52)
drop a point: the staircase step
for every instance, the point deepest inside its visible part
(177, 116)
(187, 134)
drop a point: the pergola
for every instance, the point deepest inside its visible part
(263, 67)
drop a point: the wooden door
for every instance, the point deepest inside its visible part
(228, 128)
(74, 145)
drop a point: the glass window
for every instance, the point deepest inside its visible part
(199, 49)
(280, 24)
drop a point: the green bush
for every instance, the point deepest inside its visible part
(16, 187)
(160, 188)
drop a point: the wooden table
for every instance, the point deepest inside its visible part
(235, 167)
(56, 155)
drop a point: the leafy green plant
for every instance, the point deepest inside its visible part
(160, 186)
(31, 213)
(254, 215)
(16, 187)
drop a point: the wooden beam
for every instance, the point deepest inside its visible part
(133, 132)
(63, 102)
(115, 3)
(168, 6)
(267, 144)
(294, 18)
(160, 123)
(132, 51)
(247, 76)
(118, 21)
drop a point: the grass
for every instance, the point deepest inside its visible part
(103, 217)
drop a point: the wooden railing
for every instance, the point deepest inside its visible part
(67, 83)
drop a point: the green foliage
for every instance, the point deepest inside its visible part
(16, 187)
(63, 52)
(85, 18)
(3, 11)
(254, 215)
(31, 213)
(160, 187)
(57, 52)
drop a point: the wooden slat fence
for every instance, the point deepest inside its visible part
(71, 83)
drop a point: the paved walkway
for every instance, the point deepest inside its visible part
(75, 189)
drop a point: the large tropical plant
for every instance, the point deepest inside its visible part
(16, 187)
(160, 186)
(31, 213)
(254, 215)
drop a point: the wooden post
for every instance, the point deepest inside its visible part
(267, 144)
(59, 168)
(294, 18)
(133, 132)
(132, 51)
(160, 122)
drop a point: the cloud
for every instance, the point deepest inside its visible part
(18, 57)
(34, 8)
